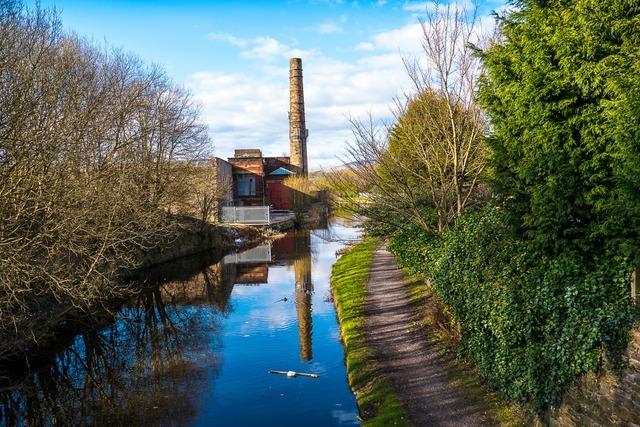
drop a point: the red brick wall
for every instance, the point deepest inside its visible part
(261, 167)
(255, 166)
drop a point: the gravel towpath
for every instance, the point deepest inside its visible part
(417, 370)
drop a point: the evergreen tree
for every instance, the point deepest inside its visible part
(563, 92)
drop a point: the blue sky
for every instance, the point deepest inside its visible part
(233, 56)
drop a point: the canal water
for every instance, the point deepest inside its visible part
(195, 348)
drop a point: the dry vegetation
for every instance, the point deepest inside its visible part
(425, 168)
(91, 142)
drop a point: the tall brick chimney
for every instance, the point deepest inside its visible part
(297, 126)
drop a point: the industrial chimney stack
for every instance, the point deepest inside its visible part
(297, 127)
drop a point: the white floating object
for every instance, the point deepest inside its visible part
(292, 374)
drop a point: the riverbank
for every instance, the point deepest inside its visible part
(398, 364)
(39, 330)
(378, 403)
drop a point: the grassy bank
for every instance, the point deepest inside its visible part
(379, 406)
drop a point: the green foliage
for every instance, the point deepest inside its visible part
(539, 286)
(531, 322)
(563, 93)
(379, 405)
(378, 221)
(416, 249)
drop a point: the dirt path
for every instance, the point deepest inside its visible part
(414, 366)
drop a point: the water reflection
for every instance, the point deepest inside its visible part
(252, 268)
(138, 369)
(158, 360)
(304, 289)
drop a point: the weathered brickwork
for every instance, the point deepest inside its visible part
(607, 399)
(297, 123)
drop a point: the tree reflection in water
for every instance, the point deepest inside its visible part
(146, 367)
(152, 363)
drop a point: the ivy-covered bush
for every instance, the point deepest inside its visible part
(415, 248)
(531, 322)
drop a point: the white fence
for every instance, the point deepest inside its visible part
(257, 255)
(246, 214)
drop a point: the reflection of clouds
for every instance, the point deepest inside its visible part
(345, 417)
(266, 313)
(271, 319)
(281, 274)
(321, 273)
(279, 278)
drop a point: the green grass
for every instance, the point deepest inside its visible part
(379, 405)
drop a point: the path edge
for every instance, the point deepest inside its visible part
(377, 400)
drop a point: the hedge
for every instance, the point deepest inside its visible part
(532, 322)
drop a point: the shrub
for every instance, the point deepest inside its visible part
(530, 321)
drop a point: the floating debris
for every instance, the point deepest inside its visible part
(292, 374)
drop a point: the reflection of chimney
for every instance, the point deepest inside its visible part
(297, 125)
(304, 290)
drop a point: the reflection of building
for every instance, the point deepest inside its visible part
(252, 274)
(252, 267)
(194, 280)
(259, 254)
(304, 290)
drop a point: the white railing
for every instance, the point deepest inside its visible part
(246, 214)
(256, 255)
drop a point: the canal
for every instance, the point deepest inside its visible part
(196, 346)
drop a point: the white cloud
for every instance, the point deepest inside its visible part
(265, 48)
(329, 27)
(332, 26)
(229, 38)
(249, 110)
(245, 111)
(262, 48)
(406, 40)
(365, 46)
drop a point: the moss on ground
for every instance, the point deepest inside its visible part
(379, 405)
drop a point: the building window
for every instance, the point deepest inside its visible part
(246, 185)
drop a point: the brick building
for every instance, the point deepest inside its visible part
(258, 180)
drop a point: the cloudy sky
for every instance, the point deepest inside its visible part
(233, 56)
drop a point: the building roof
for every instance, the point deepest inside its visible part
(247, 152)
(281, 171)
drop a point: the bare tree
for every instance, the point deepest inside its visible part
(89, 139)
(208, 188)
(426, 167)
(451, 34)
